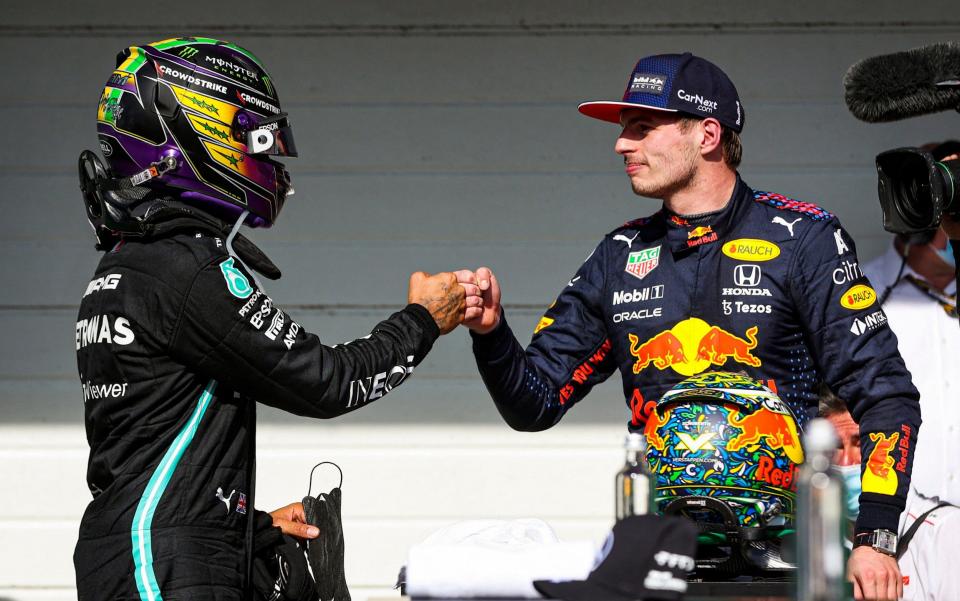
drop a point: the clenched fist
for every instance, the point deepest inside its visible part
(442, 296)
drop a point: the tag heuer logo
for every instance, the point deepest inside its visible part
(642, 262)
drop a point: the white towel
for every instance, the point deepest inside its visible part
(494, 558)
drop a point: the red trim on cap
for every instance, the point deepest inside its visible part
(606, 110)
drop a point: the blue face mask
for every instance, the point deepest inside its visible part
(850, 474)
(947, 255)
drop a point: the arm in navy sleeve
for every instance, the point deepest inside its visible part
(569, 354)
(857, 354)
(232, 331)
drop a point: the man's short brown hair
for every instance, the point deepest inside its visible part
(730, 144)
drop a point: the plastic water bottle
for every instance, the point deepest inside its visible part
(635, 483)
(820, 518)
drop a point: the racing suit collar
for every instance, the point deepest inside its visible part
(165, 216)
(687, 233)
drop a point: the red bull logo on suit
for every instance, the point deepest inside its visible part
(692, 346)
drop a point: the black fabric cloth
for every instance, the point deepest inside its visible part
(771, 287)
(173, 339)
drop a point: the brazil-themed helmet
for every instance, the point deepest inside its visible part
(209, 109)
(725, 451)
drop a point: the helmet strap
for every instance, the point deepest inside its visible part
(233, 234)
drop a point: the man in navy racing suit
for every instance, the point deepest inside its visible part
(721, 277)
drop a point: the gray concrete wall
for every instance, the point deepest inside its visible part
(433, 135)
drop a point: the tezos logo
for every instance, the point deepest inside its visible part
(237, 283)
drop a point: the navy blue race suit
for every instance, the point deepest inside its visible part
(173, 339)
(769, 286)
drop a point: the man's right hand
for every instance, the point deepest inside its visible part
(489, 290)
(441, 295)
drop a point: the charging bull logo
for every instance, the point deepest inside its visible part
(652, 430)
(771, 424)
(880, 477)
(692, 346)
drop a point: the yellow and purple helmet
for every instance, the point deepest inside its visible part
(208, 108)
(725, 450)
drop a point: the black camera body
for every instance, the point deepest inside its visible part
(916, 190)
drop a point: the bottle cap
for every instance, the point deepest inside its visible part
(820, 437)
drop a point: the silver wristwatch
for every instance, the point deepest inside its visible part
(881, 540)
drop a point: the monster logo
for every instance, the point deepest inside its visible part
(879, 476)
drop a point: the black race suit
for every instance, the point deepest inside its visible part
(173, 337)
(769, 285)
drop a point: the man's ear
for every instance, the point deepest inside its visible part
(712, 132)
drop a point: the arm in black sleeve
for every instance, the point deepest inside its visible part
(569, 354)
(232, 331)
(857, 354)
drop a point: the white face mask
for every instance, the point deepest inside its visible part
(850, 474)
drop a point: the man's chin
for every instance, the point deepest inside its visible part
(647, 191)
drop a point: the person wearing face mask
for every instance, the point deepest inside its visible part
(935, 524)
(916, 282)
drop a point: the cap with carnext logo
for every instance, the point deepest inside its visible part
(675, 83)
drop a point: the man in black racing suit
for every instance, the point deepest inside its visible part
(176, 340)
(723, 277)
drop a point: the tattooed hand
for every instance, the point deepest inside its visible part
(441, 295)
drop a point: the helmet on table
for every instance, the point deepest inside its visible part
(725, 451)
(198, 119)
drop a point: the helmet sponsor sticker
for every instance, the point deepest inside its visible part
(751, 249)
(858, 297)
(642, 262)
(237, 283)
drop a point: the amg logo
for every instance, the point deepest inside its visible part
(107, 282)
(371, 388)
(636, 296)
(746, 292)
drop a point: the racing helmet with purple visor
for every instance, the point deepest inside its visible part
(212, 106)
